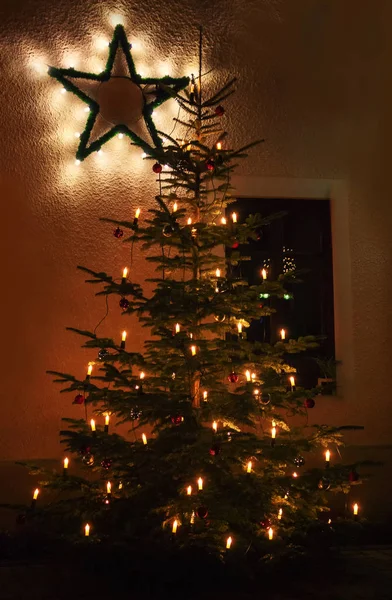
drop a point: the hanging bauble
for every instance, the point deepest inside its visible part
(233, 377)
(84, 449)
(219, 110)
(79, 399)
(214, 450)
(353, 476)
(88, 459)
(157, 168)
(210, 164)
(134, 414)
(124, 303)
(167, 231)
(219, 318)
(106, 463)
(309, 403)
(176, 419)
(103, 354)
(118, 233)
(324, 484)
(299, 461)
(265, 399)
(266, 523)
(202, 512)
(235, 245)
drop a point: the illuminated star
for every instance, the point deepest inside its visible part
(137, 98)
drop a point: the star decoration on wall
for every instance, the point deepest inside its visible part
(159, 89)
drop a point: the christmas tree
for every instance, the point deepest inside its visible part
(214, 456)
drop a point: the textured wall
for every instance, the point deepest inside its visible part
(314, 81)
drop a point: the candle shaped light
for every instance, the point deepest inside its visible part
(175, 207)
(189, 490)
(270, 533)
(65, 466)
(273, 435)
(229, 542)
(136, 219)
(107, 419)
(219, 145)
(144, 439)
(327, 458)
(193, 517)
(247, 375)
(239, 329)
(89, 371)
(215, 426)
(280, 513)
(205, 395)
(253, 376)
(355, 511)
(108, 488)
(142, 375)
(124, 275)
(189, 222)
(292, 383)
(193, 350)
(264, 274)
(93, 428)
(295, 474)
(234, 217)
(175, 526)
(249, 466)
(218, 273)
(123, 338)
(223, 220)
(177, 328)
(86, 530)
(200, 483)
(282, 334)
(35, 496)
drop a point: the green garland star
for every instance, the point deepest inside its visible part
(166, 87)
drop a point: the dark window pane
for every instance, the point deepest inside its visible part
(300, 240)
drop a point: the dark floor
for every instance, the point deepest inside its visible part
(362, 574)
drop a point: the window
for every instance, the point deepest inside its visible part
(300, 240)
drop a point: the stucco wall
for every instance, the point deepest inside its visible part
(314, 81)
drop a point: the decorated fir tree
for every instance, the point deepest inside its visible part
(214, 457)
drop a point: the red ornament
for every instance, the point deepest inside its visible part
(124, 303)
(157, 168)
(219, 110)
(266, 523)
(214, 450)
(118, 233)
(106, 463)
(79, 399)
(309, 403)
(353, 476)
(177, 419)
(235, 245)
(210, 164)
(233, 377)
(202, 512)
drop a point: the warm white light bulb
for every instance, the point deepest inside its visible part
(144, 155)
(120, 136)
